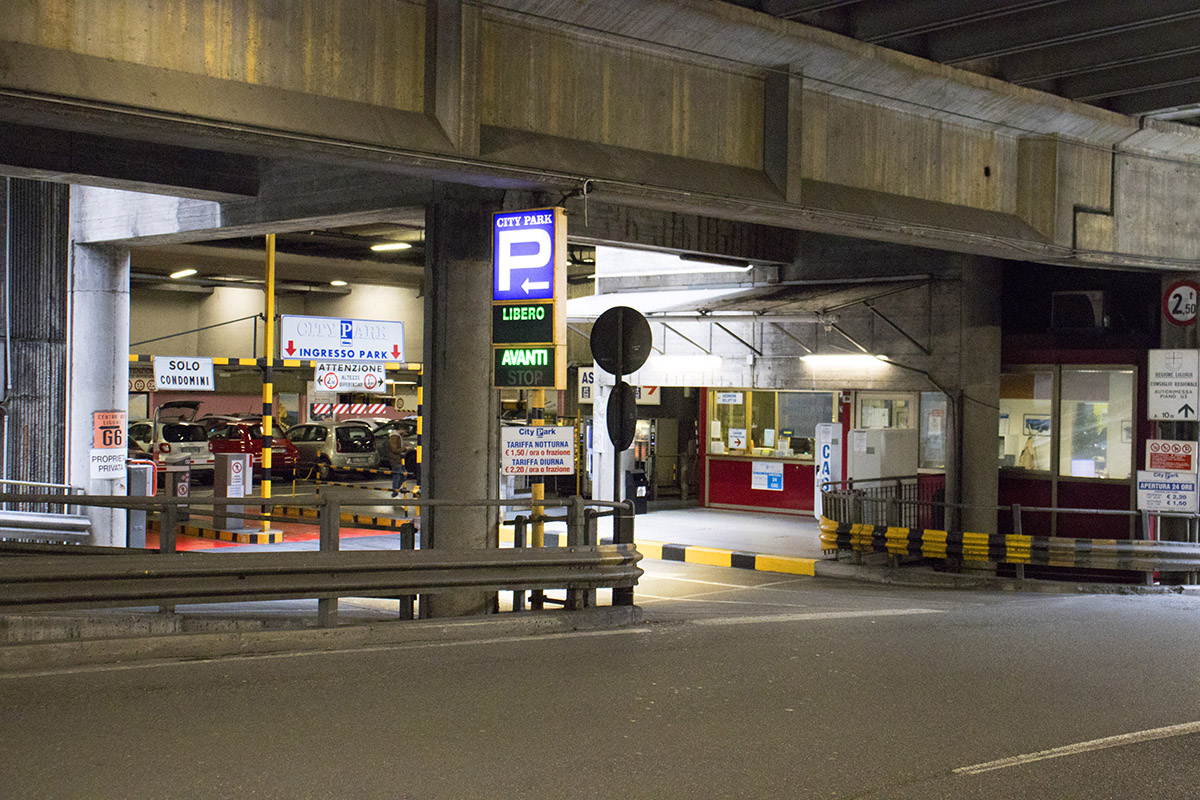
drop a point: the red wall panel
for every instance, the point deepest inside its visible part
(729, 484)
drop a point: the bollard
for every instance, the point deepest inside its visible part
(519, 542)
(329, 516)
(623, 534)
(408, 541)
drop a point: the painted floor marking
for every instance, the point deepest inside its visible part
(647, 599)
(717, 583)
(817, 615)
(1083, 747)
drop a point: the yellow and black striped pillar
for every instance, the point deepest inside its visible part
(268, 394)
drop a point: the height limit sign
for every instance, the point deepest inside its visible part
(1173, 386)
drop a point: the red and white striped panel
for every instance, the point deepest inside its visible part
(348, 408)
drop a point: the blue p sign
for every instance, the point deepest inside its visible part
(347, 329)
(523, 255)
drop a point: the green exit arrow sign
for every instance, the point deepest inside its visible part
(523, 323)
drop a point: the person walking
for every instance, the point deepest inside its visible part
(396, 460)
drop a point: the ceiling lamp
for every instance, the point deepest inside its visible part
(379, 248)
(183, 273)
(337, 283)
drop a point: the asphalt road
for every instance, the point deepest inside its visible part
(739, 684)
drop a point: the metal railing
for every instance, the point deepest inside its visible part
(48, 577)
(909, 501)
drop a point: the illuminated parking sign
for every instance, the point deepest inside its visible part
(527, 248)
(529, 295)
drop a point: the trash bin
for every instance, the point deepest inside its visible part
(636, 489)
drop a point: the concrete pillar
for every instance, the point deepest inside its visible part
(974, 470)
(98, 358)
(461, 407)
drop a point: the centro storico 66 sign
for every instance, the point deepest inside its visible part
(529, 290)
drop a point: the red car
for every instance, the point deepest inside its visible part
(235, 435)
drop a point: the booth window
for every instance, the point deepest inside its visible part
(877, 410)
(933, 431)
(779, 424)
(1096, 423)
(1026, 411)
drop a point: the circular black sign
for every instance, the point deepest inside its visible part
(621, 341)
(622, 416)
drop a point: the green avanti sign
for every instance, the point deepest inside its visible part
(525, 366)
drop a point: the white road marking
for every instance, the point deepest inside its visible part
(717, 583)
(1083, 747)
(817, 615)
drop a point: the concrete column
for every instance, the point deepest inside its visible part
(976, 416)
(98, 358)
(461, 409)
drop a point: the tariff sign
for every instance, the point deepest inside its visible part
(1163, 491)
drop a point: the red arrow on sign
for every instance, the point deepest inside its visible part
(291, 347)
(396, 351)
(737, 443)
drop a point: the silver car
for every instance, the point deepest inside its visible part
(327, 447)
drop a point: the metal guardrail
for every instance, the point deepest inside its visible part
(873, 521)
(26, 506)
(44, 577)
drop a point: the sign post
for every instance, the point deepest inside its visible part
(529, 320)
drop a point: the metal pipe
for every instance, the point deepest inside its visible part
(7, 319)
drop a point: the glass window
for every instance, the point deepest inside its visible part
(1096, 423)
(885, 411)
(729, 413)
(775, 423)
(933, 431)
(1026, 406)
(799, 414)
(763, 426)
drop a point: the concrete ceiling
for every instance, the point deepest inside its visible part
(1137, 58)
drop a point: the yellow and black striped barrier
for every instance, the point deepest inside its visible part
(310, 515)
(1134, 555)
(241, 537)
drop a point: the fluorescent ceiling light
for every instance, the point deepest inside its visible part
(844, 360)
(183, 273)
(391, 246)
(621, 262)
(337, 283)
(401, 383)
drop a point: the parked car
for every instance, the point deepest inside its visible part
(408, 432)
(244, 435)
(171, 438)
(327, 447)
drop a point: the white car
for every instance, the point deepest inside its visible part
(171, 438)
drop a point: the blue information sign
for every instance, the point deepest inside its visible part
(524, 257)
